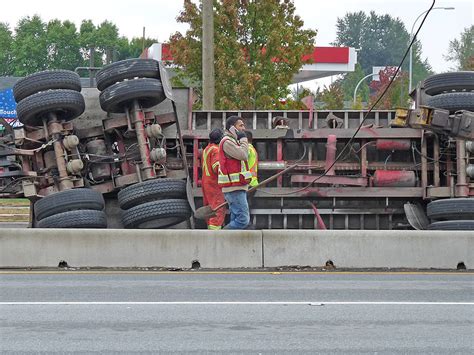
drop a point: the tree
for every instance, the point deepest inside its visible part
(382, 41)
(462, 51)
(301, 91)
(107, 40)
(350, 30)
(397, 94)
(332, 97)
(103, 41)
(349, 83)
(63, 45)
(134, 48)
(6, 41)
(59, 45)
(294, 101)
(258, 49)
(29, 50)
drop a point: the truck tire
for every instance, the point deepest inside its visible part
(451, 209)
(151, 190)
(126, 69)
(453, 101)
(68, 200)
(75, 219)
(446, 82)
(67, 104)
(117, 97)
(461, 225)
(46, 80)
(157, 214)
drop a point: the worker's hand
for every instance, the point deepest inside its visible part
(241, 135)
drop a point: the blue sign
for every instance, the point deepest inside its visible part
(7, 104)
(8, 108)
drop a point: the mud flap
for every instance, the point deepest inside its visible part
(416, 216)
(165, 82)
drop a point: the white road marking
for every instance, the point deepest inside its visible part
(182, 303)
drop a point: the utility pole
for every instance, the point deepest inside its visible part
(208, 55)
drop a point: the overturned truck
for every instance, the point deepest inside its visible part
(129, 156)
(85, 166)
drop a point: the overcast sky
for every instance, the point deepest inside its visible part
(159, 17)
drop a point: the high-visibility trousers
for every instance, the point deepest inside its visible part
(213, 196)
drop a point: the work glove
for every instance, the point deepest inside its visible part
(241, 135)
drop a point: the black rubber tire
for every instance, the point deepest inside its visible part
(453, 101)
(67, 104)
(451, 209)
(75, 219)
(446, 82)
(46, 80)
(156, 214)
(118, 97)
(126, 69)
(151, 190)
(69, 200)
(461, 225)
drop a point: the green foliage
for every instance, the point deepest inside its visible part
(100, 41)
(6, 42)
(349, 83)
(332, 97)
(258, 49)
(301, 91)
(59, 44)
(62, 45)
(397, 94)
(461, 51)
(29, 50)
(134, 48)
(382, 41)
(357, 105)
(350, 30)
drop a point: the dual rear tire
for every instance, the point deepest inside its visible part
(75, 208)
(51, 91)
(122, 83)
(451, 214)
(158, 203)
(451, 91)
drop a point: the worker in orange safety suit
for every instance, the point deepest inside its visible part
(212, 193)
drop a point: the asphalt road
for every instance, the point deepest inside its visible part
(243, 313)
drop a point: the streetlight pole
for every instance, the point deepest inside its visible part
(360, 82)
(410, 67)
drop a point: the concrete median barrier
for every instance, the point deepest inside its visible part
(130, 248)
(369, 249)
(235, 249)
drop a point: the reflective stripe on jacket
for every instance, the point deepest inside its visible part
(253, 165)
(232, 172)
(209, 163)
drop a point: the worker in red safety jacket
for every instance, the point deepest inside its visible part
(211, 191)
(234, 174)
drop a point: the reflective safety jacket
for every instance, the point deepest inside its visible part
(210, 161)
(211, 191)
(253, 162)
(232, 172)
